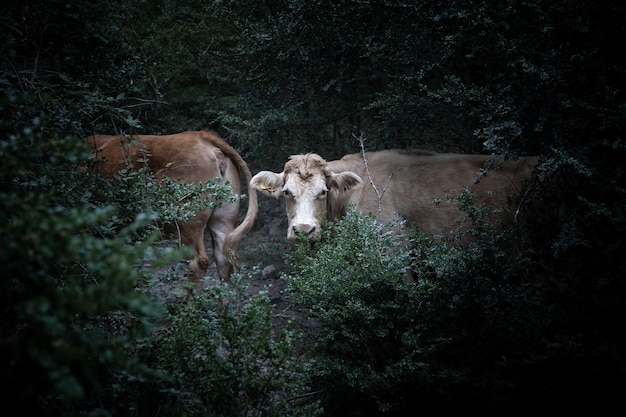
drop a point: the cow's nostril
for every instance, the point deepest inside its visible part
(307, 229)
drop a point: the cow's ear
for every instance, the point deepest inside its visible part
(269, 183)
(344, 181)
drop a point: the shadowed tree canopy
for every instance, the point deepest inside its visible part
(283, 77)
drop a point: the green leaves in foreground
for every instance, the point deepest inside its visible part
(224, 357)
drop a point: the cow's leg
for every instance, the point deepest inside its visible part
(192, 234)
(222, 222)
(219, 228)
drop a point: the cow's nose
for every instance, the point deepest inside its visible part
(307, 229)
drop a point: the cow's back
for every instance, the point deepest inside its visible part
(183, 155)
(423, 186)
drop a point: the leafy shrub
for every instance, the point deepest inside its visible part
(63, 289)
(70, 307)
(221, 356)
(475, 331)
(76, 330)
(353, 283)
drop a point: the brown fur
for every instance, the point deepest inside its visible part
(422, 186)
(193, 156)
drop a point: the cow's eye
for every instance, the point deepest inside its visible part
(321, 194)
(287, 193)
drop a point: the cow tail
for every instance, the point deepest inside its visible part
(231, 242)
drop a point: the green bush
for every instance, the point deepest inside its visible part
(73, 256)
(222, 356)
(64, 289)
(353, 284)
(82, 331)
(475, 331)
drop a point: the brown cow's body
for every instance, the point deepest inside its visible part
(419, 186)
(190, 157)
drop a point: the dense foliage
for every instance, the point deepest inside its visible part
(286, 76)
(473, 332)
(221, 357)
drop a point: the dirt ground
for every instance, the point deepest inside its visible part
(263, 251)
(262, 255)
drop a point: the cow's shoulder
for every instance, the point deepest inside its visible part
(351, 162)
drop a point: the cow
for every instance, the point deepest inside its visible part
(418, 186)
(191, 157)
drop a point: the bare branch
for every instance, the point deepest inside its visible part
(379, 194)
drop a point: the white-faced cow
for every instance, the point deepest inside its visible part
(419, 186)
(191, 157)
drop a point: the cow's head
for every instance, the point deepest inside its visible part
(310, 189)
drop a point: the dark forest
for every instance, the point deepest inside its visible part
(82, 332)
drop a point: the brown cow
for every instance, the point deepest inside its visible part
(190, 157)
(417, 185)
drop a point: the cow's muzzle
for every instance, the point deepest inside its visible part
(305, 229)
